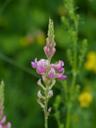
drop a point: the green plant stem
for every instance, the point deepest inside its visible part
(73, 83)
(46, 122)
(68, 118)
(74, 35)
(71, 93)
(46, 108)
(72, 89)
(70, 103)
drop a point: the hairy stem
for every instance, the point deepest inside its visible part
(46, 122)
(46, 108)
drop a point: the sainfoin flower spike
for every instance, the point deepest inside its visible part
(49, 72)
(3, 123)
(49, 48)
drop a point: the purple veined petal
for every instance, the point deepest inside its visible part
(60, 63)
(42, 66)
(3, 120)
(60, 76)
(52, 73)
(61, 70)
(59, 66)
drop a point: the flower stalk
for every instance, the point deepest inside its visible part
(46, 108)
(3, 123)
(49, 73)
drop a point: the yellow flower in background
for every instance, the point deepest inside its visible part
(26, 40)
(29, 39)
(91, 61)
(85, 99)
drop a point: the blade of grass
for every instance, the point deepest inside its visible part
(13, 63)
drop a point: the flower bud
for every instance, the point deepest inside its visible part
(39, 94)
(49, 51)
(50, 93)
(49, 109)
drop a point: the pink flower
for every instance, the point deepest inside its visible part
(41, 66)
(34, 64)
(52, 73)
(59, 66)
(3, 123)
(44, 67)
(61, 76)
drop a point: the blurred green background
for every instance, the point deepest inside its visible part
(23, 28)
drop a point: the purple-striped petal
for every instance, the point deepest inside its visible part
(52, 73)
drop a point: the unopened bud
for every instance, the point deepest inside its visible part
(49, 109)
(50, 93)
(39, 94)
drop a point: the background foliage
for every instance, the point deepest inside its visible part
(23, 27)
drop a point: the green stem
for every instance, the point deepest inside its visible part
(74, 66)
(46, 122)
(46, 113)
(73, 83)
(68, 118)
(46, 108)
(70, 103)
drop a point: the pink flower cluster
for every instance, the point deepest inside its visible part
(3, 123)
(51, 71)
(44, 66)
